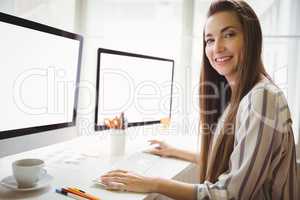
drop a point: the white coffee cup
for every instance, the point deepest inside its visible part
(28, 172)
(117, 142)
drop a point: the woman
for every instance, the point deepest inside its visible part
(251, 152)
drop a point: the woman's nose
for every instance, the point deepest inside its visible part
(219, 46)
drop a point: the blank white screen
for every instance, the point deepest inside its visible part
(139, 87)
(37, 77)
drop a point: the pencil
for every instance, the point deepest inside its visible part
(87, 194)
(74, 196)
(82, 193)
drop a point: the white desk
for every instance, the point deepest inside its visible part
(79, 161)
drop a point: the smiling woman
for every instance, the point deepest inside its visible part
(247, 145)
(224, 43)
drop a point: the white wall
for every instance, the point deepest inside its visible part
(156, 28)
(60, 14)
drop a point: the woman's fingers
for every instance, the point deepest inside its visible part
(126, 182)
(155, 152)
(152, 151)
(160, 144)
(154, 141)
(118, 170)
(117, 179)
(115, 186)
(113, 174)
(120, 173)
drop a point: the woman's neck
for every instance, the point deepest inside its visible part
(232, 81)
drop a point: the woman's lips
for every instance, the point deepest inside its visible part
(223, 59)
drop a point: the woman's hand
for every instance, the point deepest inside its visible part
(122, 180)
(163, 149)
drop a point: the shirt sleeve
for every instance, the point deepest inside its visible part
(251, 156)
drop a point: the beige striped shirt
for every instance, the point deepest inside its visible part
(263, 161)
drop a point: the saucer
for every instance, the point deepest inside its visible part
(11, 183)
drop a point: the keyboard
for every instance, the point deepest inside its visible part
(139, 162)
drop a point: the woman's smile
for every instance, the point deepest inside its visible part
(223, 60)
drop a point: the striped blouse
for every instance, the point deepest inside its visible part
(263, 161)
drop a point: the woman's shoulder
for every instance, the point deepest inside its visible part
(267, 86)
(267, 100)
(264, 93)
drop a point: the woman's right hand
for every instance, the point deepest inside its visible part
(162, 149)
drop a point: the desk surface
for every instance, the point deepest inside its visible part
(79, 161)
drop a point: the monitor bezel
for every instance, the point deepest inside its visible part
(17, 21)
(123, 53)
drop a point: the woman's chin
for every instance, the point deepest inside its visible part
(224, 71)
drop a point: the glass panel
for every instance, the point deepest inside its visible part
(281, 58)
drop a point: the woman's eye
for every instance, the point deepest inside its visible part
(209, 41)
(229, 35)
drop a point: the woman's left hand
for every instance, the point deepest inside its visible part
(122, 180)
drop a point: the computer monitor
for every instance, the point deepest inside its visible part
(39, 77)
(138, 85)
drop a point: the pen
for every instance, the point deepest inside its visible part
(70, 194)
(122, 121)
(92, 197)
(82, 193)
(69, 190)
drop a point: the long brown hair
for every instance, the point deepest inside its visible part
(215, 161)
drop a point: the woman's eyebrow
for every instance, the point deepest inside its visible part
(222, 30)
(208, 35)
(226, 28)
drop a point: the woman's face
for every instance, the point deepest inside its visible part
(224, 42)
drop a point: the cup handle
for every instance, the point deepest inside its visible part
(43, 173)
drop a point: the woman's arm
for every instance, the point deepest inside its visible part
(185, 155)
(126, 181)
(176, 189)
(166, 150)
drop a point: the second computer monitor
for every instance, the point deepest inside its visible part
(138, 85)
(39, 77)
